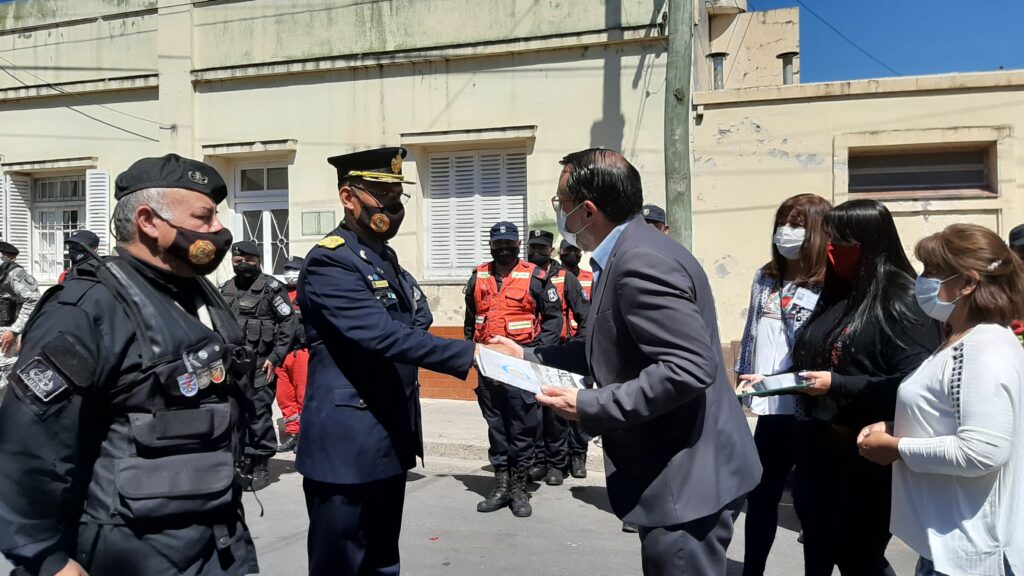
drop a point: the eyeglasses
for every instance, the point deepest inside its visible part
(384, 200)
(556, 203)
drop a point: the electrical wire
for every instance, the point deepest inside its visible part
(848, 40)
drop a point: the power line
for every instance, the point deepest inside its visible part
(848, 40)
(69, 93)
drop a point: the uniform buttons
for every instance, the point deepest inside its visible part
(223, 541)
(362, 403)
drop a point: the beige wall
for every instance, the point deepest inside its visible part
(752, 42)
(754, 148)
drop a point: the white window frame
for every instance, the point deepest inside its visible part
(36, 206)
(264, 200)
(481, 249)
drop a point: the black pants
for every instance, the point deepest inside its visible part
(354, 528)
(843, 503)
(578, 440)
(512, 417)
(261, 441)
(556, 439)
(694, 548)
(775, 438)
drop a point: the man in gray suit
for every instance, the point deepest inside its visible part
(679, 455)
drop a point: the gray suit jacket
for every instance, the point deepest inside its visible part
(677, 446)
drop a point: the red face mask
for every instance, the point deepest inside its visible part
(844, 260)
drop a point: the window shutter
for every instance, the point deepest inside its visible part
(97, 206)
(441, 216)
(19, 219)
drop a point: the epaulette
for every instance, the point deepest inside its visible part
(331, 242)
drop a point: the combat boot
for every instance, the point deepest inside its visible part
(498, 498)
(520, 497)
(289, 444)
(578, 466)
(554, 477)
(260, 474)
(537, 472)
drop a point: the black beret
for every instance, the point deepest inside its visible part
(83, 237)
(541, 237)
(171, 171)
(7, 248)
(653, 213)
(1017, 236)
(245, 248)
(378, 165)
(504, 231)
(294, 263)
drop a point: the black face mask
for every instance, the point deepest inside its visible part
(538, 258)
(504, 256)
(202, 251)
(77, 256)
(381, 223)
(571, 259)
(246, 270)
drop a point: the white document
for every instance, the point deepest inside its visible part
(523, 374)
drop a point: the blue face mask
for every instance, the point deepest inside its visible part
(927, 292)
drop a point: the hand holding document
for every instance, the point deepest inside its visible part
(524, 374)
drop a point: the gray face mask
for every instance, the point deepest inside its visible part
(291, 277)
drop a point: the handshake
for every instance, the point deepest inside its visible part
(501, 345)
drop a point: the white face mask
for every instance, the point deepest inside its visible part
(927, 292)
(291, 277)
(789, 241)
(560, 218)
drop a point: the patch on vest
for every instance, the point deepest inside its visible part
(584, 294)
(282, 307)
(552, 295)
(331, 242)
(188, 384)
(42, 379)
(521, 275)
(418, 295)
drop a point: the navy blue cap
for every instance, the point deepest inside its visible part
(294, 263)
(378, 165)
(83, 238)
(653, 213)
(504, 231)
(7, 248)
(1017, 236)
(246, 248)
(541, 237)
(171, 171)
(565, 245)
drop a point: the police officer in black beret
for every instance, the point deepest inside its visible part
(264, 312)
(119, 432)
(366, 321)
(82, 246)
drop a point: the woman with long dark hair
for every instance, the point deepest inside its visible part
(782, 297)
(866, 334)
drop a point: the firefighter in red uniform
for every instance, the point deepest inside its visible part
(512, 298)
(578, 439)
(552, 440)
(291, 376)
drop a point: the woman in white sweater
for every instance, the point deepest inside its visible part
(958, 438)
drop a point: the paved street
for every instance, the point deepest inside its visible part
(571, 531)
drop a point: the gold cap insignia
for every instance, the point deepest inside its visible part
(201, 252)
(396, 163)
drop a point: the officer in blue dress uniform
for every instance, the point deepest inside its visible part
(366, 322)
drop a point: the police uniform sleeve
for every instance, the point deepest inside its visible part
(287, 324)
(342, 308)
(27, 289)
(549, 308)
(577, 302)
(424, 318)
(42, 418)
(469, 323)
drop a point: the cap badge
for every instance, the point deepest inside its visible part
(647, 211)
(197, 177)
(396, 163)
(501, 229)
(201, 252)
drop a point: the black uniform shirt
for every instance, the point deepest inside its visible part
(576, 298)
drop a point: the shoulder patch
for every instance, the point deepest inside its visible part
(274, 283)
(331, 242)
(552, 295)
(42, 379)
(282, 307)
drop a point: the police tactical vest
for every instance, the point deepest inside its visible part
(254, 309)
(510, 312)
(10, 302)
(170, 448)
(586, 279)
(558, 281)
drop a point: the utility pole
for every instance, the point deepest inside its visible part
(678, 202)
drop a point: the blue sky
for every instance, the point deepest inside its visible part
(914, 37)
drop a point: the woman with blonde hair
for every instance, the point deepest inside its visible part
(957, 442)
